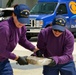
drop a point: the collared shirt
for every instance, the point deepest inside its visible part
(59, 48)
(10, 35)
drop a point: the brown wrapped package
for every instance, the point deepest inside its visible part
(38, 60)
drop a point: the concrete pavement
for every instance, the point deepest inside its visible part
(29, 69)
(26, 69)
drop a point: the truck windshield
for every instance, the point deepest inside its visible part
(43, 8)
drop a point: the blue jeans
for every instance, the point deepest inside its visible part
(5, 68)
(65, 69)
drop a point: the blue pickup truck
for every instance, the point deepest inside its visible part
(44, 11)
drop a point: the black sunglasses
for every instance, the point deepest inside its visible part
(57, 30)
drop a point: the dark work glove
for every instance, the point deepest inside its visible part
(52, 63)
(39, 54)
(22, 60)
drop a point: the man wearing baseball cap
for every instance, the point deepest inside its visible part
(13, 31)
(57, 44)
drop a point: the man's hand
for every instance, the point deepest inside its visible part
(52, 63)
(39, 54)
(22, 60)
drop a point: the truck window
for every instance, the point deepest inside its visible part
(44, 8)
(61, 9)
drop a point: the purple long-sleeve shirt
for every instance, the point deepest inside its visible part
(10, 35)
(59, 48)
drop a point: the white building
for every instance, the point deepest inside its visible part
(30, 3)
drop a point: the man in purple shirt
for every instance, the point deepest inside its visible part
(13, 31)
(57, 43)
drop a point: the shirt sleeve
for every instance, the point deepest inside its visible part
(26, 43)
(4, 39)
(41, 41)
(67, 53)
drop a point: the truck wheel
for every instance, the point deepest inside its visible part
(48, 25)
